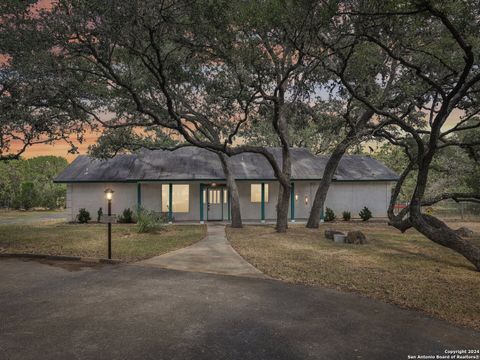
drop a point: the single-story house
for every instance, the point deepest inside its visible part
(189, 184)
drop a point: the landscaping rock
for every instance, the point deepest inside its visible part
(356, 237)
(329, 233)
(339, 238)
(464, 232)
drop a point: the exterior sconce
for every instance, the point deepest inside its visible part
(109, 194)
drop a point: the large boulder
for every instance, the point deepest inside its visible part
(464, 232)
(330, 232)
(356, 237)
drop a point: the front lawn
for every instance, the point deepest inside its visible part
(405, 269)
(31, 215)
(90, 240)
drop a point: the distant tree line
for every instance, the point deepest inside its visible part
(28, 183)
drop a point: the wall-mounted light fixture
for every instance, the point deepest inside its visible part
(306, 200)
(296, 197)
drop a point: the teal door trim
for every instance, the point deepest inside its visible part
(229, 204)
(292, 202)
(262, 209)
(170, 202)
(201, 203)
(139, 196)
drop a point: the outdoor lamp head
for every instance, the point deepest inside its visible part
(109, 194)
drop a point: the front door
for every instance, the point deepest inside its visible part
(215, 203)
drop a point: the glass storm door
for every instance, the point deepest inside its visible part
(215, 203)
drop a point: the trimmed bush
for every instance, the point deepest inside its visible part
(329, 215)
(83, 216)
(149, 221)
(126, 217)
(365, 214)
(99, 214)
(346, 215)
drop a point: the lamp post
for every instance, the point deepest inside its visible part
(109, 195)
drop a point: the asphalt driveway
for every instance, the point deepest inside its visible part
(136, 312)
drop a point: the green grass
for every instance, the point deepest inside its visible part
(90, 240)
(14, 214)
(405, 269)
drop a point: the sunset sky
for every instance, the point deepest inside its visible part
(60, 148)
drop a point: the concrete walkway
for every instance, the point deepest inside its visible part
(214, 254)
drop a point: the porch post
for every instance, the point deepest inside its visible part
(262, 212)
(139, 196)
(228, 204)
(170, 200)
(201, 204)
(221, 199)
(292, 202)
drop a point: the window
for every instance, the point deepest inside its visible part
(214, 196)
(256, 193)
(180, 198)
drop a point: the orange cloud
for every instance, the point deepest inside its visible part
(59, 148)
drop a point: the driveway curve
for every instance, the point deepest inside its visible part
(213, 254)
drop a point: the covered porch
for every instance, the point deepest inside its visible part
(211, 201)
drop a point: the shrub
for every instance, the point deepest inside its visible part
(346, 215)
(126, 217)
(329, 215)
(99, 214)
(83, 216)
(365, 214)
(28, 195)
(149, 221)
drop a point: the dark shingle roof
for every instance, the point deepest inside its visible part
(191, 163)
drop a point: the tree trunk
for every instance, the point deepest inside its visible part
(282, 208)
(327, 177)
(437, 231)
(284, 190)
(433, 228)
(233, 191)
(331, 167)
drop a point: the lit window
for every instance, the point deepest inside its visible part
(256, 193)
(180, 198)
(225, 196)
